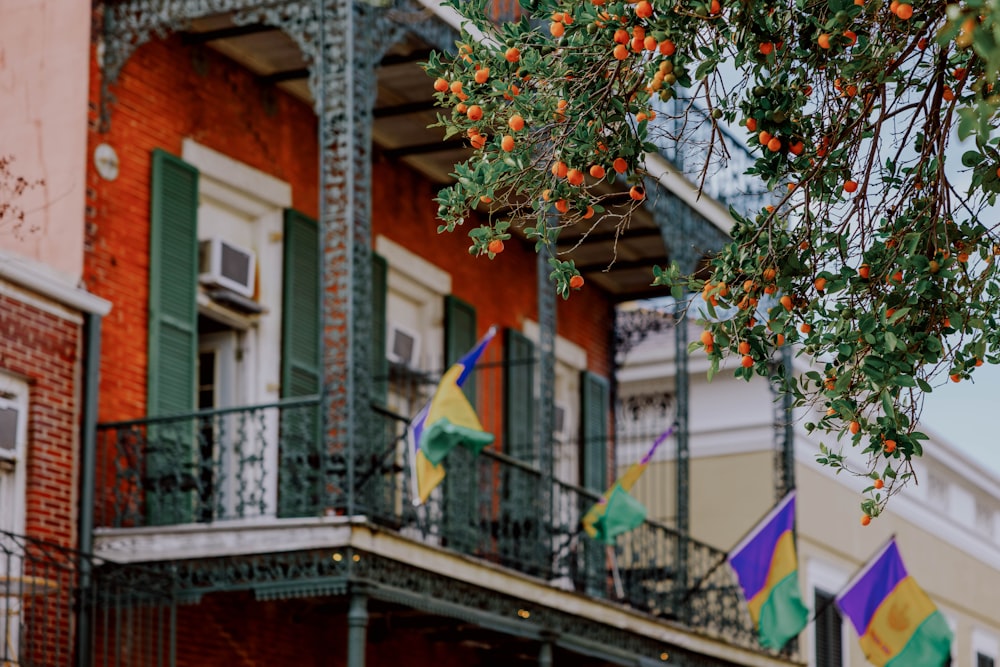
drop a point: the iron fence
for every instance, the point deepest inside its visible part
(270, 461)
(57, 604)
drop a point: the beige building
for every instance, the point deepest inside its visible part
(947, 526)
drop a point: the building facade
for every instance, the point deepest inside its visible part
(264, 226)
(744, 449)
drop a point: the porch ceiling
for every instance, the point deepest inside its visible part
(403, 113)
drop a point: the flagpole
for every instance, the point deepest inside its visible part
(615, 574)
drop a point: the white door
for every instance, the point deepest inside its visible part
(219, 384)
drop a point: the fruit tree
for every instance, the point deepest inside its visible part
(876, 257)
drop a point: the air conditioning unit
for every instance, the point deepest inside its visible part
(227, 265)
(403, 346)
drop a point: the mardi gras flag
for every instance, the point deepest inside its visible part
(617, 511)
(767, 569)
(445, 422)
(896, 622)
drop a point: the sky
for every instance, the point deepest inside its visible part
(967, 415)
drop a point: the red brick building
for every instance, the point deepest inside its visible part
(283, 306)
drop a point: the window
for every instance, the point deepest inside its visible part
(828, 650)
(13, 448)
(221, 339)
(985, 647)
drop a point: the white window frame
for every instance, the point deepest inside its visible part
(985, 643)
(828, 578)
(14, 394)
(260, 200)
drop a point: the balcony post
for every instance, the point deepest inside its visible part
(547, 395)
(88, 480)
(545, 654)
(357, 630)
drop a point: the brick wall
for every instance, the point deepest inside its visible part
(168, 92)
(312, 632)
(45, 348)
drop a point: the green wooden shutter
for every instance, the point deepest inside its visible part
(829, 650)
(173, 286)
(459, 337)
(300, 325)
(519, 396)
(461, 484)
(302, 466)
(595, 404)
(171, 469)
(379, 362)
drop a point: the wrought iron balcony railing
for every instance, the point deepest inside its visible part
(56, 602)
(269, 461)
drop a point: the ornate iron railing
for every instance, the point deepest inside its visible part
(56, 603)
(493, 507)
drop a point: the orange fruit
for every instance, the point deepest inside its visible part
(744, 347)
(746, 361)
(557, 29)
(774, 145)
(854, 427)
(864, 272)
(477, 141)
(621, 36)
(797, 148)
(786, 301)
(956, 378)
(507, 143)
(878, 484)
(805, 327)
(637, 193)
(495, 246)
(456, 87)
(820, 284)
(512, 55)
(707, 338)
(947, 94)
(765, 48)
(769, 274)
(516, 122)
(482, 75)
(715, 7)
(823, 41)
(764, 137)
(475, 112)
(574, 176)
(562, 205)
(597, 171)
(865, 519)
(780, 340)
(638, 44)
(667, 48)
(905, 12)
(589, 213)
(461, 107)
(440, 85)
(620, 52)
(752, 124)
(620, 165)
(576, 282)
(851, 35)
(643, 9)
(850, 186)
(559, 169)
(649, 43)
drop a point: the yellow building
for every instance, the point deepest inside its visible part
(947, 525)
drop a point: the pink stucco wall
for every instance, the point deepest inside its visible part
(43, 127)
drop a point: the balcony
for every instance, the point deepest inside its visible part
(267, 463)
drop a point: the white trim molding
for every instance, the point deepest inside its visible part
(37, 277)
